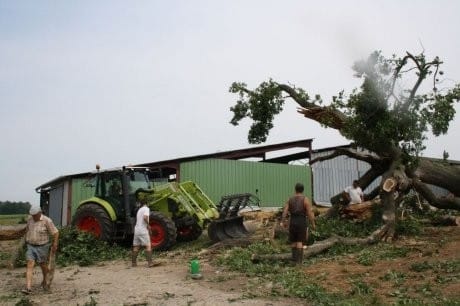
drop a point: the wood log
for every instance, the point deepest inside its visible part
(315, 248)
(361, 211)
(447, 220)
(12, 232)
(236, 242)
(262, 216)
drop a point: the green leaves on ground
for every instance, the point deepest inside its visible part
(84, 249)
(291, 280)
(80, 248)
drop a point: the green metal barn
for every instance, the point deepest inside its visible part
(271, 183)
(272, 180)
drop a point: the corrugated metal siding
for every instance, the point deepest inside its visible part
(80, 192)
(55, 204)
(331, 176)
(272, 183)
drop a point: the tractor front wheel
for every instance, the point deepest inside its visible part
(162, 231)
(94, 219)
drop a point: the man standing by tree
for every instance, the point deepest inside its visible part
(38, 231)
(142, 235)
(299, 208)
(354, 193)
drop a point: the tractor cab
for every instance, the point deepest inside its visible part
(118, 187)
(110, 212)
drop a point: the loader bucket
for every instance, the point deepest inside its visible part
(230, 224)
(216, 232)
(232, 228)
(235, 228)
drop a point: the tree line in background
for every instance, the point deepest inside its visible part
(14, 208)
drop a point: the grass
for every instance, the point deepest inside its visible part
(291, 281)
(452, 266)
(397, 278)
(360, 287)
(12, 219)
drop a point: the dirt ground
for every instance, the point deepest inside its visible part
(116, 283)
(436, 252)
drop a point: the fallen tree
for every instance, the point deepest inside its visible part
(386, 123)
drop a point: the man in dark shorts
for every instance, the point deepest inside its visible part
(300, 213)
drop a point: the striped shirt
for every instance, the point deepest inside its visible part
(38, 233)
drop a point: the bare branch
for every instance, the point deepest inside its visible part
(434, 78)
(295, 96)
(408, 70)
(438, 173)
(395, 76)
(439, 202)
(422, 73)
(366, 157)
(421, 77)
(325, 115)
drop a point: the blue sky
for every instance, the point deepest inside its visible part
(118, 82)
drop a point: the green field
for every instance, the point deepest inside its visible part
(12, 219)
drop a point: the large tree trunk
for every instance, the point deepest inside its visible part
(388, 216)
(440, 174)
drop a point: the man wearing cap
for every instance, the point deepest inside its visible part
(38, 231)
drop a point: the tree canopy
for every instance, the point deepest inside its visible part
(378, 111)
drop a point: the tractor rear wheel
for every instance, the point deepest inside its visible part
(189, 233)
(162, 231)
(94, 219)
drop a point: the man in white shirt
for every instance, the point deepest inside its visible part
(142, 235)
(354, 194)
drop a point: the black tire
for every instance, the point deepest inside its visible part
(189, 233)
(162, 231)
(94, 219)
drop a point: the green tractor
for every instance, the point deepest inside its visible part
(179, 211)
